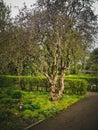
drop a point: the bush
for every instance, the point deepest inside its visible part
(8, 90)
(5, 115)
(92, 84)
(35, 105)
(75, 86)
(3, 95)
(27, 115)
(7, 101)
(92, 81)
(8, 81)
(25, 83)
(31, 106)
(17, 94)
(27, 107)
(9, 121)
(34, 83)
(49, 112)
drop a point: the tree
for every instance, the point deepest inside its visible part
(56, 32)
(93, 60)
(5, 36)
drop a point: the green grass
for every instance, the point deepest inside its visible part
(19, 109)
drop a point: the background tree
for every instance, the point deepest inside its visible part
(5, 36)
(92, 63)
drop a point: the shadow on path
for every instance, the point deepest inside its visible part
(82, 115)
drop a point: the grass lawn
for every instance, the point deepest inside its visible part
(19, 109)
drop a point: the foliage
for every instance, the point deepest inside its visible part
(51, 111)
(17, 94)
(6, 81)
(75, 86)
(9, 121)
(30, 108)
(8, 101)
(5, 36)
(4, 16)
(92, 81)
(5, 115)
(92, 63)
(29, 83)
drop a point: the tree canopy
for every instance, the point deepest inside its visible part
(92, 63)
(5, 35)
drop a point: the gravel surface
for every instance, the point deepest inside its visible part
(82, 115)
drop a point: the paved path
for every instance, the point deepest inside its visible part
(83, 115)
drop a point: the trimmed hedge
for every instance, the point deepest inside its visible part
(92, 84)
(91, 80)
(25, 82)
(34, 83)
(72, 86)
(75, 86)
(7, 81)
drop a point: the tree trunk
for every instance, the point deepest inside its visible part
(61, 90)
(56, 92)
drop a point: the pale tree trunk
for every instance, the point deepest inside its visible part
(56, 92)
(61, 90)
(53, 89)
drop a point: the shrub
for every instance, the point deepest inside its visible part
(6, 81)
(75, 86)
(7, 101)
(92, 81)
(3, 95)
(35, 105)
(27, 114)
(9, 120)
(5, 115)
(35, 83)
(31, 106)
(7, 90)
(49, 111)
(17, 94)
(92, 84)
(27, 107)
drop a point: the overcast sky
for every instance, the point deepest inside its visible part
(19, 3)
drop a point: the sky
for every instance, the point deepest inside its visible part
(19, 3)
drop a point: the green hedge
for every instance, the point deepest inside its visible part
(91, 79)
(75, 86)
(72, 86)
(92, 84)
(8, 81)
(34, 83)
(25, 82)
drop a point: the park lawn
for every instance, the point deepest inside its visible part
(19, 109)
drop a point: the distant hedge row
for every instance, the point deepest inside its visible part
(72, 86)
(92, 83)
(75, 86)
(24, 82)
(91, 80)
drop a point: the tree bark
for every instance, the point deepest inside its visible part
(56, 92)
